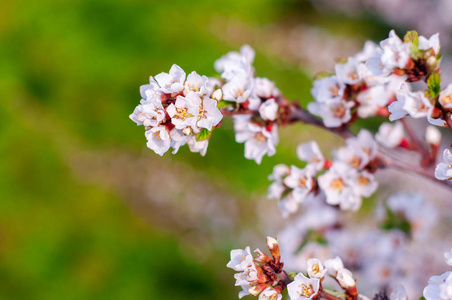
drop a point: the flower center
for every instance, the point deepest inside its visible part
(339, 111)
(302, 182)
(353, 75)
(354, 162)
(181, 113)
(316, 269)
(337, 184)
(192, 87)
(447, 99)
(306, 290)
(260, 137)
(363, 180)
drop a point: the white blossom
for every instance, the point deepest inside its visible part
(365, 141)
(369, 50)
(184, 112)
(432, 135)
(398, 293)
(353, 156)
(238, 89)
(265, 88)
(334, 183)
(247, 276)
(301, 181)
(303, 288)
(327, 88)
(310, 153)
(270, 294)
(208, 114)
(443, 170)
(148, 113)
(390, 135)
(445, 97)
(350, 72)
(364, 183)
(345, 278)
(195, 83)
(240, 259)
(258, 140)
(197, 146)
(151, 90)
(417, 105)
(333, 265)
(431, 43)
(269, 110)
(232, 60)
(396, 54)
(448, 256)
(316, 268)
(172, 82)
(158, 139)
(178, 139)
(439, 287)
(334, 113)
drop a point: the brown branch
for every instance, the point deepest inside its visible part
(328, 296)
(299, 114)
(417, 144)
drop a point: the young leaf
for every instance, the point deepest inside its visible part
(203, 135)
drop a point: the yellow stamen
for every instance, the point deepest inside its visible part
(363, 180)
(316, 269)
(354, 162)
(337, 184)
(447, 99)
(306, 290)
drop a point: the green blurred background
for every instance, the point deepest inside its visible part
(86, 210)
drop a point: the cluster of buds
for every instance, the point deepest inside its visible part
(343, 181)
(255, 103)
(440, 287)
(262, 275)
(176, 110)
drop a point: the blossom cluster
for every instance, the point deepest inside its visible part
(440, 287)
(406, 223)
(262, 275)
(258, 129)
(353, 91)
(176, 110)
(343, 181)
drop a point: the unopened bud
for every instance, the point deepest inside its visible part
(345, 278)
(217, 95)
(432, 135)
(333, 265)
(186, 131)
(257, 289)
(432, 62)
(273, 246)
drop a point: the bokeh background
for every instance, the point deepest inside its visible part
(86, 210)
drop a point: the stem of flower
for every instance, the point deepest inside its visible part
(417, 144)
(328, 296)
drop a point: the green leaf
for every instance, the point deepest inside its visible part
(422, 298)
(224, 103)
(412, 37)
(203, 135)
(434, 84)
(321, 75)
